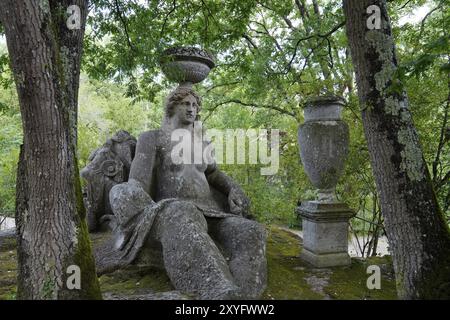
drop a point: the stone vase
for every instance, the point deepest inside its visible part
(323, 140)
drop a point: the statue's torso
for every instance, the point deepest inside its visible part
(183, 181)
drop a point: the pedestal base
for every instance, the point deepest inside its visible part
(325, 260)
(325, 233)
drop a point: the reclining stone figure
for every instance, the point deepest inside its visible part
(194, 213)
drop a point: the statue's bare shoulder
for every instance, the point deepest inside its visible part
(149, 137)
(144, 160)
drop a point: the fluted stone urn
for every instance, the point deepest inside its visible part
(323, 140)
(186, 65)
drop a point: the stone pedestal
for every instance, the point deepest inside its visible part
(325, 233)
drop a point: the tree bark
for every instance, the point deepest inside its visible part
(51, 229)
(418, 234)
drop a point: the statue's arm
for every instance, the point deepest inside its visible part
(144, 160)
(219, 180)
(238, 201)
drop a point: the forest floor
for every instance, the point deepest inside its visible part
(288, 276)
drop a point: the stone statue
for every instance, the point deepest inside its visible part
(108, 165)
(193, 213)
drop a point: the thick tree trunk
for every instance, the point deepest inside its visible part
(51, 228)
(417, 232)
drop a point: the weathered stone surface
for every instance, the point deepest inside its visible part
(323, 140)
(189, 216)
(187, 240)
(323, 148)
(108, 166)
(323, 108)
(170, 295)
(244, 245)
(186, 65)
(325, 233)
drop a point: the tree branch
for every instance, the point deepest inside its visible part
(124, 24)
(316, 7)
(246, 104)
(302, 9)
(250, 41)
(222, 85)
(404, 5)
(289, 23)
(441, 136)
(326, 35)
(422, 24)
(266, 32)
(174, 7)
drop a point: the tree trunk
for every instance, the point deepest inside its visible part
(51, 229)
(418, 235)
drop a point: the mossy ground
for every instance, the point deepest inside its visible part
(291, 278)
(8, 273)
(135, 281)
(288, 276)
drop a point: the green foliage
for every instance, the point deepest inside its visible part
(104, 110)
(271, 56)
(6, 78)
(426, 45)
(275, 197)
(125, 39)
(424, 57)
(10, 140)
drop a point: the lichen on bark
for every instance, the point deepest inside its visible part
(411, 155)
(382, 44)
(392, 106)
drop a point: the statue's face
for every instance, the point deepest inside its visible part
(186, 110)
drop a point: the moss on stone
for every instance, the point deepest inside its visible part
(288, 276)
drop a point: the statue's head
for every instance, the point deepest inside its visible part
(183, 103)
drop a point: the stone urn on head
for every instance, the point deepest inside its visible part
(323, 140)
(186, 65)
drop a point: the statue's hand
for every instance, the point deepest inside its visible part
(238, 201)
